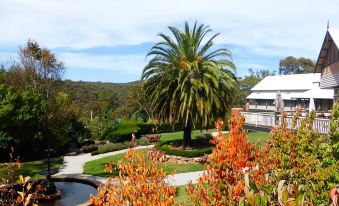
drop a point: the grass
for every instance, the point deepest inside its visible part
(36, 169)
(253, 136)
(96, 167)
(182, 196)
(258, 137)
(178, 135)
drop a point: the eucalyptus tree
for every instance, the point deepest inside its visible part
(188, 81)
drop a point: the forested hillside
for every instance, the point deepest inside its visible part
(88, 95)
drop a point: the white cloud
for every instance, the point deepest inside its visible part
(87, 23)
(127, 64)
(266, 27)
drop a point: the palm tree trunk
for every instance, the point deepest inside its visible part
(187, 134)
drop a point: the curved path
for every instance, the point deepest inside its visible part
(73, 166)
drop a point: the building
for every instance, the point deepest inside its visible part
(296, 90)
(328, 62)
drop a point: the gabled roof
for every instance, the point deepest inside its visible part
(332, 34)
(287, 82)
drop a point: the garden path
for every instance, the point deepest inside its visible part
(73, 166)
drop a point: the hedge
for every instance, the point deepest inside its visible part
(168, 149)
(124, 132)
(146, 128)
(87, 149)
(111, 147)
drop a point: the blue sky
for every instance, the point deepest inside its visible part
(107, 40)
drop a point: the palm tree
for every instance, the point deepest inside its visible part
(186, 82)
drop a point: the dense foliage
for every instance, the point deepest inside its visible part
(247, 83)
(305, 158)
(223, 183)
(292, 65)
(334, 130)
(33, 114)
(188, 82)
(140, 182)
(295, 168)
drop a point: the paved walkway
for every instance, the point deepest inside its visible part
(73, 166)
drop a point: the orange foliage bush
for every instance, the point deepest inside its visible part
(141, 181)
(231, 159)
(10, 194)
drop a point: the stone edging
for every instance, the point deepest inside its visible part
(88, 180)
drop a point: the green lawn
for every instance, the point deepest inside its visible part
(253, 136)
(182, 196)
(96, 167)
(36, 169)
(258, 137)
(178, 135)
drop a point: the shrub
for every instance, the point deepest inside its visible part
(89, 148)
(24, 192)
(200, 145)
(206, 137)
(124, 132)
(144, 141)
(223, 182)
(334, 130)
(147, 128)
(185, 153)
(304, 158)
(111, 147)
(140, 182)
(96, 152)
(168, 148)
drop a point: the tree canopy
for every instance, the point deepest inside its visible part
(248, 82)
(188, 82)
(292, 65)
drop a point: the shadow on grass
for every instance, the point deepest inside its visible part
(36, 169)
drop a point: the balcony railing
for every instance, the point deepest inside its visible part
(259, 119)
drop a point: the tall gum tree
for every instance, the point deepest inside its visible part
(188, 81)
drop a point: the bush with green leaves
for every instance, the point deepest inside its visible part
(144, 141)
(20, 120)
(89, 148)
(101, 127)
(123, 132)
(111, 147)
(304, 158)
(334, 130)
(28, 122)
(185, 152)
(200, 146)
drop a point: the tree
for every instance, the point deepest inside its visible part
(133, 105)
(248, 82)
(292, 65)
(20, 118)
(186, 82)
(37, 67)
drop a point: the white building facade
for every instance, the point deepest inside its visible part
(296, 90)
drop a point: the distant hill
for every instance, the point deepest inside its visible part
(83, 92)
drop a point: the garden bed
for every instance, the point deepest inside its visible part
(199, 146)
(96, 167)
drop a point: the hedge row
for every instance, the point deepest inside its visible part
(124, 132)
(111, 147)
(89, 148)
(168, 149)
